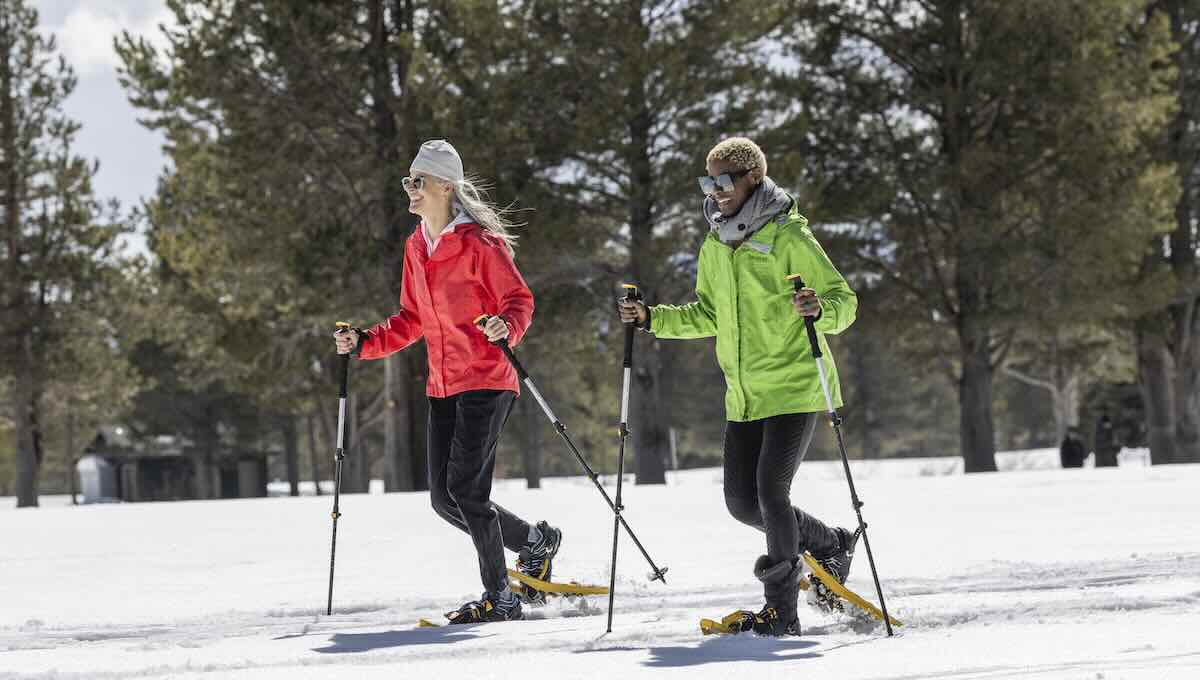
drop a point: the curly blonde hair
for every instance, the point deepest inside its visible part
(741, 152)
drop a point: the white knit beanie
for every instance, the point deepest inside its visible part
(438, 158)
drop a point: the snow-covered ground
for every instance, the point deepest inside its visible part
(1030, 573)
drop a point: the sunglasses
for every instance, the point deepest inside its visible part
(722, 183)
(412, 184)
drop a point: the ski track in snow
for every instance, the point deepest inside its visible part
(1107, 591)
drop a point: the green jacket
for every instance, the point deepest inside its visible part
(745, 299)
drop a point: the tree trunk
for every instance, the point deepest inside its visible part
(1064, 393)
(362, 449)
(407, 410)
(394, 223)
(398, 472)
(1066, 407)
(1187, 409)
(865, 401)
(15, 303)
(360, 471)
(328, 425)
(202, 459)
(412, 402)
(976, 429)
(1186, 379)
(312, 453)
(1156, 378)
(352, 474)
(23, 402)
(650, 415)
(531, 423)
(291, 453)
(70, 457)
(1184, 143)
(414, 376)
(416, 405)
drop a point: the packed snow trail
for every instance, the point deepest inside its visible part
(1091, 573)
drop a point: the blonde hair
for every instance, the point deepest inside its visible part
(740, 152)
(470, 194)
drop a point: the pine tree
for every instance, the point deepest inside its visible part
(646, 88)
(56, 247)
(1166, 334)
(941, 125)
(287, 122)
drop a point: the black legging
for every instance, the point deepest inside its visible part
(464, 431)
(760, 461)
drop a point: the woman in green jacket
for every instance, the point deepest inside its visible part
(757, 238)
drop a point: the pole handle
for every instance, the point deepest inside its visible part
(797, 284)
(342, 370)
(502, 343)
(632, 294)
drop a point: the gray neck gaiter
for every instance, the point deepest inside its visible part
(767, 201)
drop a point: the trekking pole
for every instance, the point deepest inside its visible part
(343, 375)
(836, 421)
(631, 294)
(657, 574)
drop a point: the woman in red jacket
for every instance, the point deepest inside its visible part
(458, 265)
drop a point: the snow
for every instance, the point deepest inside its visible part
(1033, 572)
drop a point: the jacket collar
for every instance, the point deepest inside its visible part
(450, 243)
(770, 230)
(449, 246)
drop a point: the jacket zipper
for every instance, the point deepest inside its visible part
(438, 320)
(737, 329)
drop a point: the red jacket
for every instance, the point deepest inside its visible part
(470, 273)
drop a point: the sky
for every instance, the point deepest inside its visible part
(130, 155)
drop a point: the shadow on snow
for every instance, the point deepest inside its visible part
(350, 643)
(721, 650)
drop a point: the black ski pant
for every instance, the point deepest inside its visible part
(464, 430)
(760, 461)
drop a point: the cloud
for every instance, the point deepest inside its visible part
(131, 157)
(85, 36)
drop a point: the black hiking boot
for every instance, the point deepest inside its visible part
(781, 589)
(765, 622)
(490, 607)
(837, 565)
(536, 560)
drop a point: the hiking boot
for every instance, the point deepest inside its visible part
(490, 607)
(781, 590)
(536, 560)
